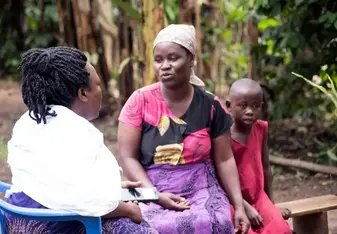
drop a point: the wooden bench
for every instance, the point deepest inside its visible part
(310, 215)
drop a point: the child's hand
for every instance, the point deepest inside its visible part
(286, 213)
(254, 217)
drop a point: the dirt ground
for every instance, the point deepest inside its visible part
(288, 184)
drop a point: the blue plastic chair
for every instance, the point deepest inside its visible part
(92, 225)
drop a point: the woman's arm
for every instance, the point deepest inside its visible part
(128, 145)
(129, 138)
(268, 176)
(127, 210)
(226, 169)
(129, 149)
(122, 210)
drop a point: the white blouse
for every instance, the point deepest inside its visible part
(64, 164)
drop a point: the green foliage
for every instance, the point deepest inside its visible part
(330, 92)
(233, 51)
(126, 6)
(171, 10)
(37, 37)
(296, 36)
(302, 25)
(328, 87)
(228, 37)
(22, 30)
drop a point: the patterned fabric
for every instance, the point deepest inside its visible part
(249, 162)
(176, 154)
(183, 35)
(16, 225)
(170, 139)
(210, 210)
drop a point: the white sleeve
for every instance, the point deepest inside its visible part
(94, 176)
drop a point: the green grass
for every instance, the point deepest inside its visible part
(3, 149)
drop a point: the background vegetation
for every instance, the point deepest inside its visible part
(264, 40)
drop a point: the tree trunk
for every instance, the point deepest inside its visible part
(200, 40)
(187, 12)
(109, 32)
(66, 23)
(190, 13)
(125, 78)
(81, 15)
(12, 21)
(210, 13)
(154, 21)
(251, 37)
(138, 52)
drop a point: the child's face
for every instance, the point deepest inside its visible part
(245, 108)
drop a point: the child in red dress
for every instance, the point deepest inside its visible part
(249, 145)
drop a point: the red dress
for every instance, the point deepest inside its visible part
(249, 162)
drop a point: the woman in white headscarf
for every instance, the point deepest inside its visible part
(175, 136)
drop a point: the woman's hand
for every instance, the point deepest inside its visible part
(130, 184)
(286, 213)
(254, 217)
(241, 221)
(134, 212)
(173, 202)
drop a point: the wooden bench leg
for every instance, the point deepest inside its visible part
(311, 224)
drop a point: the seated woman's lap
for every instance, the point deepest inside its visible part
(209, 206)
(206, 213)
(118, 226)
(126, 226)
(109, 226)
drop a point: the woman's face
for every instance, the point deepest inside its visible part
(172, 64)
(91, 97)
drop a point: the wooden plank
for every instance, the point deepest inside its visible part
(310, 205)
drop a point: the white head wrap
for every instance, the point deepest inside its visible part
(185, 36)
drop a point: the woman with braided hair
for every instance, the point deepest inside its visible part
(57, 157)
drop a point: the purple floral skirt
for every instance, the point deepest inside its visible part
(209, 211)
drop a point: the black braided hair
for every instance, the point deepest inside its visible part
(52, 76)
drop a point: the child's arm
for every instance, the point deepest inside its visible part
(268, 176)
(254, 217)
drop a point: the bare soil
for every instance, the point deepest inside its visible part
(288, 184)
